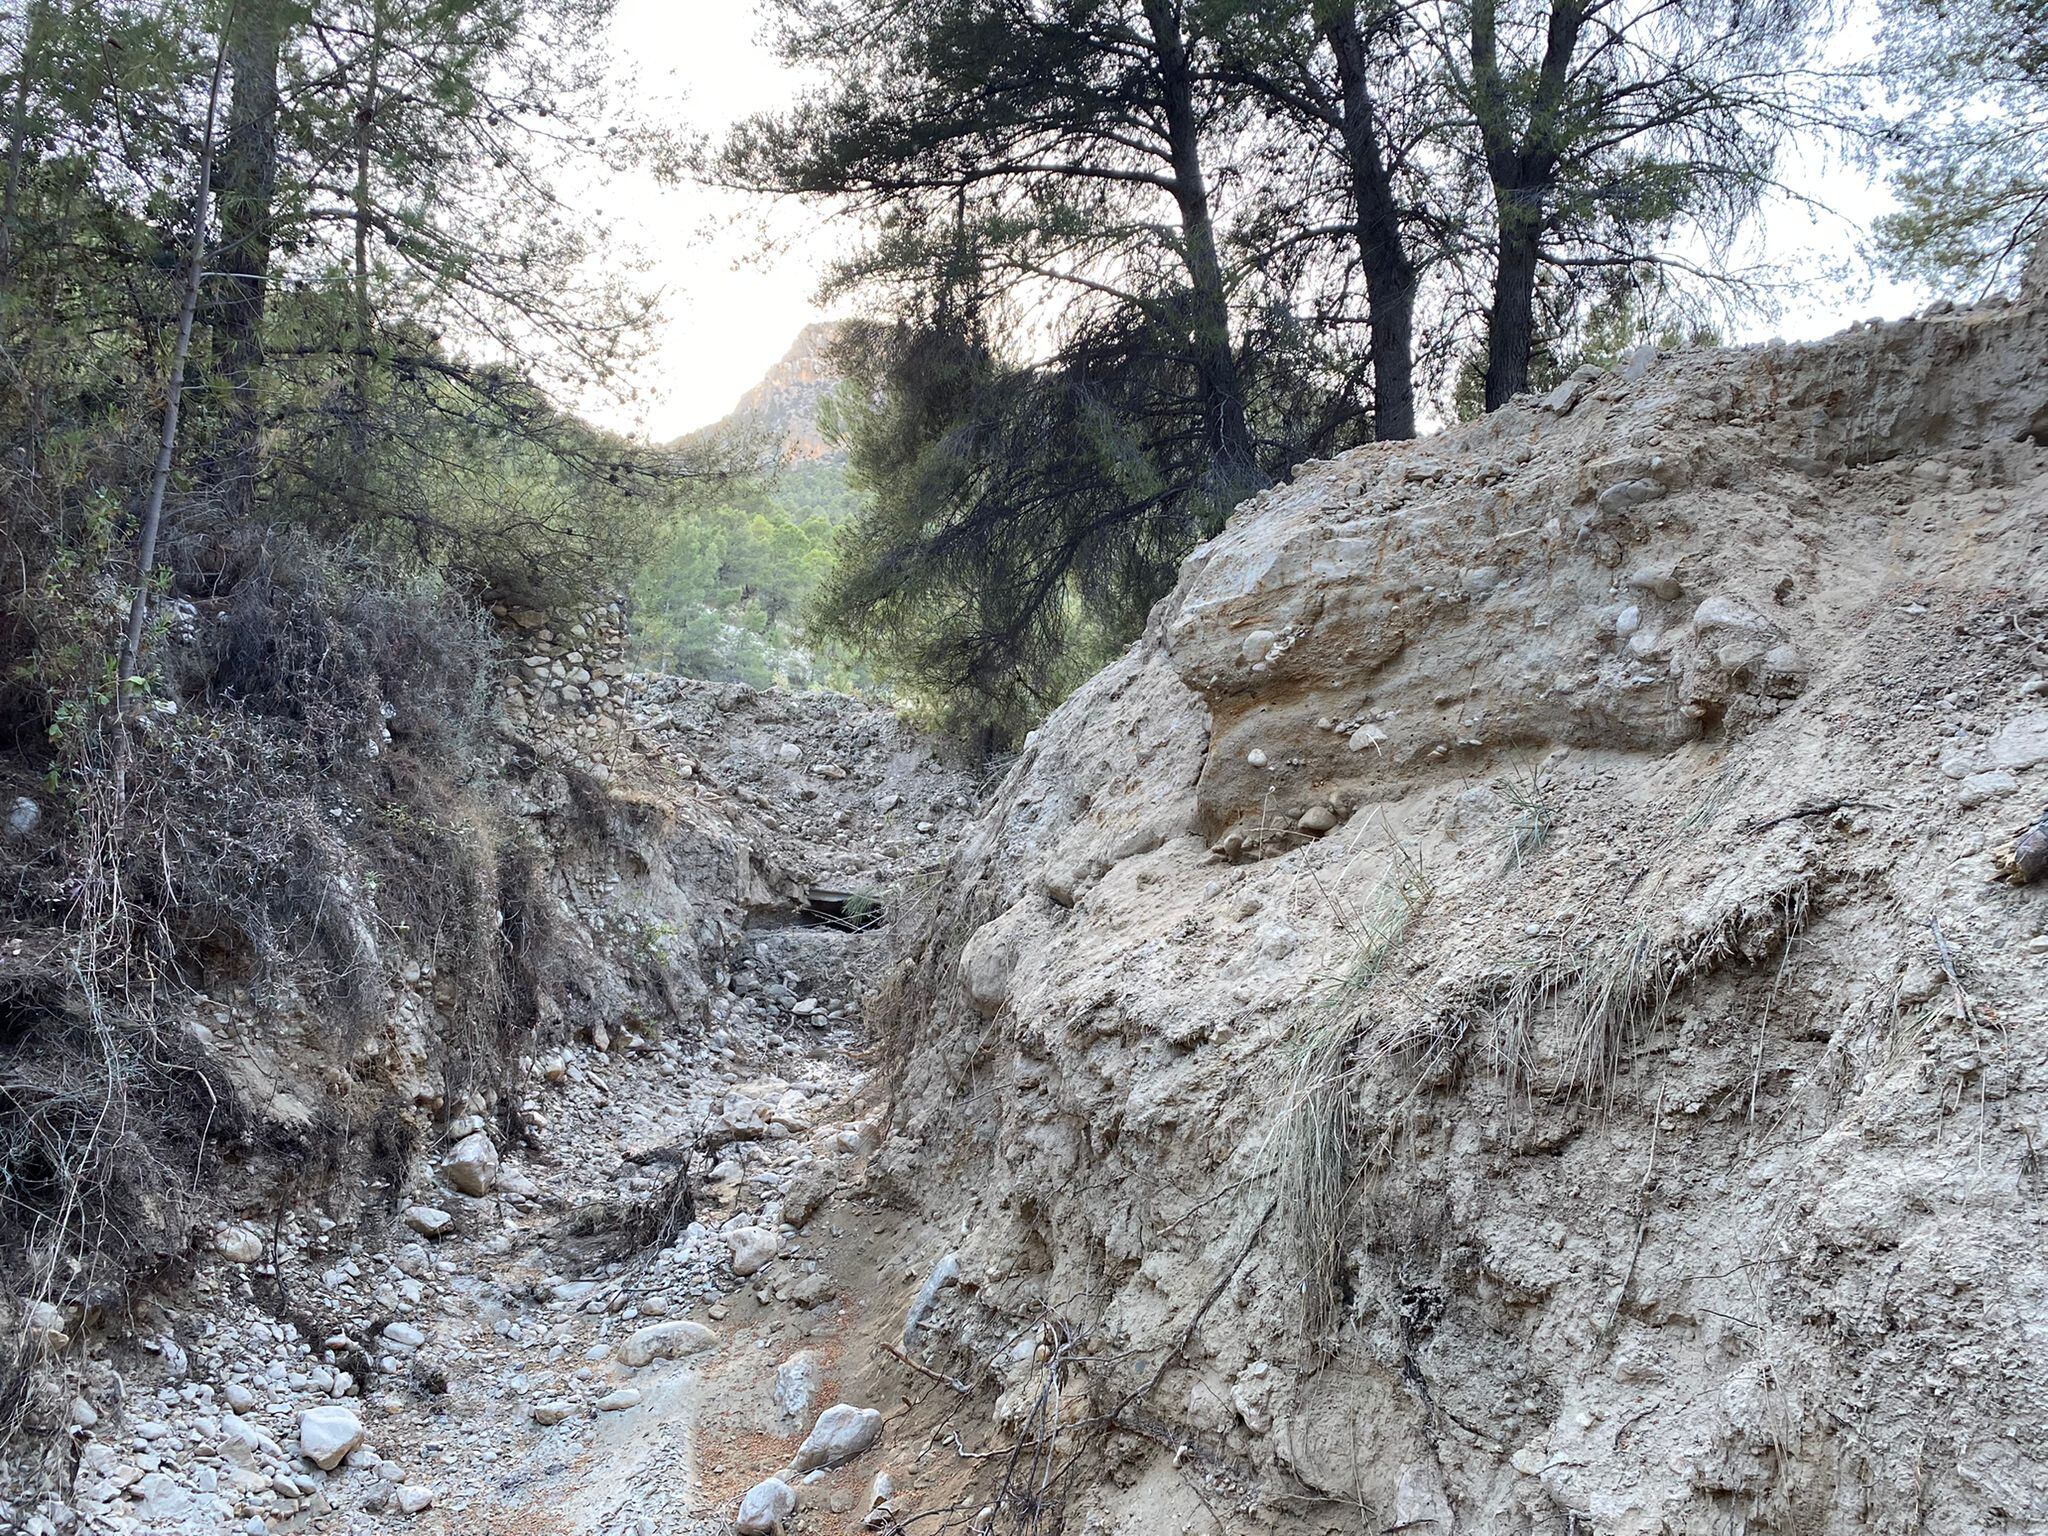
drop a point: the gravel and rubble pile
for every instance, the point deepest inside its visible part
(537, 1311)
(435, 1354)
(845, 791)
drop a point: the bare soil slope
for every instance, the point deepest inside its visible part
(1497, 1015)
(432, 1327)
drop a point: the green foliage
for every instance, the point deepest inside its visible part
(724, 593)
(365, 443)
(394, 285)
(1129, 262)
(1022, 519)
(1969, 137)
(1081, 369)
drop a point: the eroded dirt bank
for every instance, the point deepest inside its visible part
(604, 1291)
(1501, 1014)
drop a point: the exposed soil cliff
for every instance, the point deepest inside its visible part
(1497, 1014)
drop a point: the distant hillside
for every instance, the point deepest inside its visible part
(723, 594)
(787, 400)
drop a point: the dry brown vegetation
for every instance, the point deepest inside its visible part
(293, 811)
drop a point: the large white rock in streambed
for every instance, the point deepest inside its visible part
(765, 1507)
(471, 1165)
(666, 1341)
(752, 1249)
(238, 1245)
(328, 1434)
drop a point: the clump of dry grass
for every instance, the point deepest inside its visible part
(1706, 809)
(1589, 1008)
(1619, 996)
(1530, 815)
(1563, 1025)
(1598, 1003)
(1316, 1140)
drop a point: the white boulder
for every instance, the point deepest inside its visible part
(666, 1341)
(841, 1433)
(797, 1381)
(2020, 744)
(414, 1500)
(752, 1249)
(428, 1221)
(471, 1165)
(765, 1507)
(328, 1434)
(238, 1245)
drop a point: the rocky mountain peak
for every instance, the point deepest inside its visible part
(787, 401)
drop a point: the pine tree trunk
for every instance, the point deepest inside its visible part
(248, 186)
(1523, 167)
(1390, 278)
(1511, 328)
(1226, 428)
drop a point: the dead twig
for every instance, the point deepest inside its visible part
(1194, 1323)
(1818, 808)
(1635, 1252)
(926, 1371)
(1948, 969)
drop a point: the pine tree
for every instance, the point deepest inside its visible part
(1968, 140)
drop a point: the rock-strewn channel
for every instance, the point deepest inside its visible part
(565, 1310)
(1519, 1006)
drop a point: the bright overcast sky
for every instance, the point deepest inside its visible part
(733, 301)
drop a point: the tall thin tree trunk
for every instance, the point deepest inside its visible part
(1226, 427)
(1390, 278)
(33, 28)
(1523, 169)
(174, 386)
(1511, 328)
(248, 189)
(359, 402)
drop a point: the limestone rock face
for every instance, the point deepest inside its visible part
(1460, 963)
